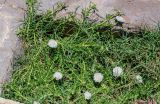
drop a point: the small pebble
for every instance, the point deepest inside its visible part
(120, 19)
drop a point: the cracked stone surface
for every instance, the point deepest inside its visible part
(137, 13)
(11, 13)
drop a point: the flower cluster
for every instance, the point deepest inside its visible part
(139, 79)
(87, 95)
(52, 43)
(35, 102)
(117, 71)
(97, 77)
(57, 75)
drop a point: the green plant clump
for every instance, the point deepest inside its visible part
(84, 48)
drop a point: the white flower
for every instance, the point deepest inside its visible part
(98, 77)
(87, 95)
(52, 43)
(117, 71)
(139, 79)
(57, 75)
(120, 19)
(35, 102)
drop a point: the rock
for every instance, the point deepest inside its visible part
(137, 13)
(7, 101)
(120, 19)
(6, 57)
(20, 4)
(2, 1)
(10, 17)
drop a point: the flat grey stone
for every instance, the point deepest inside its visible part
(6, 57)
(7, 101)
(2, 27)
(11, 15)
(46, 5)
(9, 12)
(138, 13)
(16, 4)
(2, 1)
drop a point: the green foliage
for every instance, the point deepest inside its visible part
(84, 47)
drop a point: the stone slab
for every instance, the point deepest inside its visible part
(7, 101)
(6, 57)
(20, 4)
(10, 19)
(138, 13)
(2, 1)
